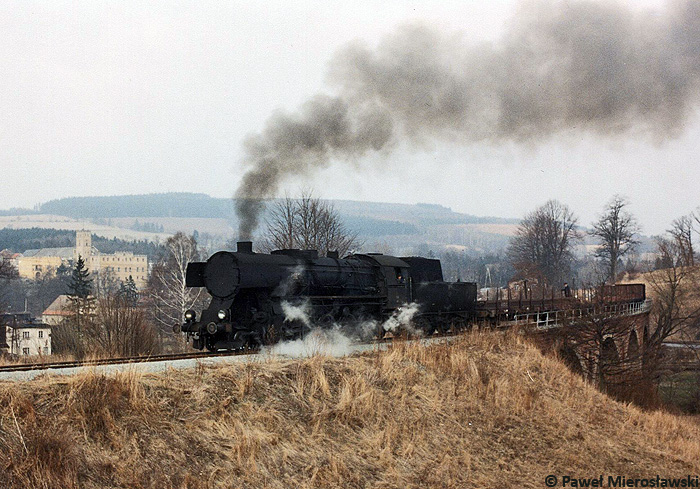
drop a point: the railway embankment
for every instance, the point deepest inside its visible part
(486, 410)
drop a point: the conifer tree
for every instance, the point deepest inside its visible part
(82, 302)
(128, 292)
(80, 285)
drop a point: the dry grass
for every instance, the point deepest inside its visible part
(485, 411)
(25, 359)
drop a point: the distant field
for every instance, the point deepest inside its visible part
(502, 229)
(62, 222)
(172, 225)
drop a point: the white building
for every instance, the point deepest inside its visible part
(121, 264)
(20, 334)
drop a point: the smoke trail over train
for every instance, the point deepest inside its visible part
(596, 67)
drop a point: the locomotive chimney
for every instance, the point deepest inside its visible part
(244, 246)
(333, 254)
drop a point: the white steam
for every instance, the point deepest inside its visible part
(325, 342)
(288, 284)
(336, 340)
(400, 320)
(297, 312)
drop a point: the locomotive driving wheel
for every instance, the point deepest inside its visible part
(426, 325)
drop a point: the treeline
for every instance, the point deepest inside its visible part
(487, 270)
(21, 240)
(148, 227)
(367, 226)
(143, 247)
(150, 205)
(17, 211)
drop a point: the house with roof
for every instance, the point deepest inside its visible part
(10, 257)
(57, 312)
(20, 334)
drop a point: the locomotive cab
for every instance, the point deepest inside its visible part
(392, 275)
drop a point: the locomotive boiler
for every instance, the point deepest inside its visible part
(252, 293)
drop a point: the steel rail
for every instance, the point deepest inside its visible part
(22, 367)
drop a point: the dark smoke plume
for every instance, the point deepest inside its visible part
(596, 67)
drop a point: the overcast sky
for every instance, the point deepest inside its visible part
(108, 98)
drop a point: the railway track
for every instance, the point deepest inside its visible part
(38, 366)
(23, 367)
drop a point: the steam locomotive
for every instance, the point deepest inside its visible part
(251, 293)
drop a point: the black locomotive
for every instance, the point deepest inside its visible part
(249, 292)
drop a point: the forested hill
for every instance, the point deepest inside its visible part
(149, 205)
(192, 205)
(21, 240)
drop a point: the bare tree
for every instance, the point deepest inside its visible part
(674, 290)
(281, 225)
(307, 223)
(676, 311)
(682, 233)
(542, 247)
(123, 329)
(675, 314)
(616, 230)
(106, 282)
(8, 273)
(167, 292)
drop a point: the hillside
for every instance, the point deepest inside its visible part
(485, 411)
(379, 225)
(183, 204)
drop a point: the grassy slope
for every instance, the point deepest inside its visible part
(487, 411)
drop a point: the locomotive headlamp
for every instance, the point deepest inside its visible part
(190, 315)
(222, 314)
(212, 328)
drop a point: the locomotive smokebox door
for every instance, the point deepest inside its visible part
(222, 275)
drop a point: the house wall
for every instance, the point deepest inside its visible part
(29, 267)
(29, 341)
(122, 265)
(53, 319)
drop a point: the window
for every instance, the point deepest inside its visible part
(25, 351)
(46, 350)
(41, 334)
(25, 334)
